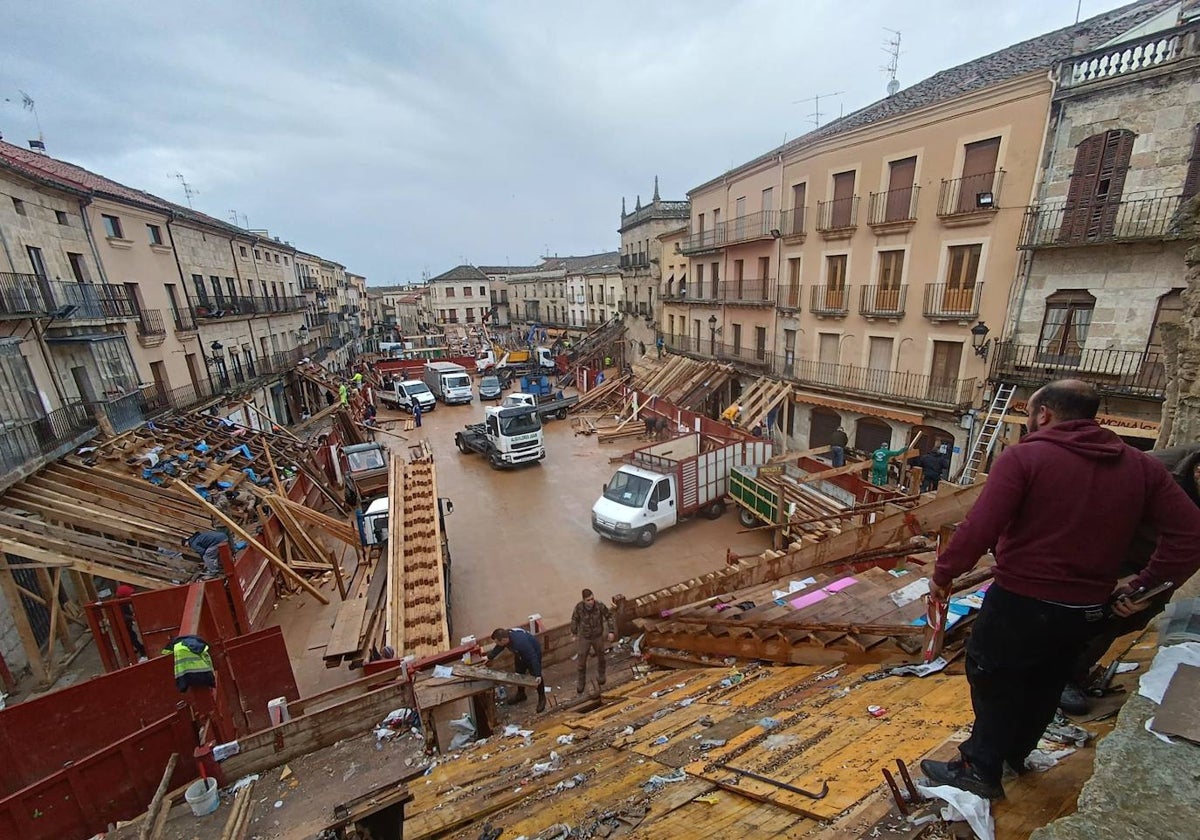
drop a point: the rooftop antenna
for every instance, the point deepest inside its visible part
(188, 189)
(29, 105)
(815, 116)
(245, 220)
(892, 47)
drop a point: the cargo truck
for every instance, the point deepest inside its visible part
(554, 406)
(508, 436)
(665, 483)
(449, 382)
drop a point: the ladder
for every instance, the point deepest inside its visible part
(988, 432)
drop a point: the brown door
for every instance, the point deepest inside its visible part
(901, 180)
(843, 200)
(799, 199)
(835, 283)
(979, 172)
(943, 371)
(823, 423)
(959, 293)
(159, 371)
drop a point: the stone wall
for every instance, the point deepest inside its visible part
(1181, 412)
(39, 227)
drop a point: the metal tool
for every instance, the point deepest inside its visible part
(821, 794)
(903, 803)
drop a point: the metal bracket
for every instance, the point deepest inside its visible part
(821, 794)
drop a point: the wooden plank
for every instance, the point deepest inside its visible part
(346, 636)
(478, 672)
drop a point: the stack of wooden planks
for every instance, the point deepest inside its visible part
(685, 382)
(760, 399)
(605, 395)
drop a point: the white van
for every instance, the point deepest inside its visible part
(449, 382)
(404, 394)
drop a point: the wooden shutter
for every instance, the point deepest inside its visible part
(1083, 177)
(902, 176)
(978, 173)
(843, 199)
(1097, 181)
(799, 199)
(1191, 182)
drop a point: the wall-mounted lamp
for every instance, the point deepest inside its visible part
(985, 200)
(979, 340)
(775, 233)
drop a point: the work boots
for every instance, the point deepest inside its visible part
(541, 707)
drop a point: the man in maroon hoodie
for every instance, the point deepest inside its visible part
(1060, 511)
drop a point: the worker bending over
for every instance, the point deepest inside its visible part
(527, 656)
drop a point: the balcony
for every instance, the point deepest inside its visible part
(944, 302)
(22, 296)
(750, 292)
(1112, 372)
(972, 200)
(792, 224)
(34, 296)
(837, 219)
(308, 284)
(1138, 55)
(851, 381)
(27, 442)
(751, 227)
(894, 210)
(150, 327)
(185, 320)
(244, 306)
(787, 296)
(1138, 217)
(830, 301)
(639, 260)
(882, 301)
(703, 240)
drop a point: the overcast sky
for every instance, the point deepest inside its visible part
(402, 137)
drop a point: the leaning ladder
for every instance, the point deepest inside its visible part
(988, 432)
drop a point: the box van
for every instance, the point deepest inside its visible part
(449, 382)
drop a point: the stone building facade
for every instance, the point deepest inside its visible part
(642, 264)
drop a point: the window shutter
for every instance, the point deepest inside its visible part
(1083, 175)
(1114, 166)
(1191, 183)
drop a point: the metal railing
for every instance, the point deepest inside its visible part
(839, 214)
(882, 301)
(22, 295)
(893, 206)
(638, 260)
(787, 295)
(1130, 57)
(1136, 373)
(829, 300)
(752, 226)
(703, 240)
(185, 320)
(949, 302)
(23, 441)
(240, 305)
(748, 290)
(962, 196)
(92, 301)
(150, 323)
(792, 222)
(1137, 217)
(837, 379)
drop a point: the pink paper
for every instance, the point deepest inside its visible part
(839, 585)
(810, 599)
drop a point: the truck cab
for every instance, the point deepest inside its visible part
(449, 382)
(404, 394)
(636, 505)
(508, 435)
(365, 470)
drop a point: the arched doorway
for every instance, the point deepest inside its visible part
(822, 423)
(871, 433)
(932, 438)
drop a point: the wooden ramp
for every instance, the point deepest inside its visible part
(760, 399)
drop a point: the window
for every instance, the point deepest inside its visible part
(467, 291)
(449, 292)
(201, 290)
(891, 272)
(879, 355)
(978, 175)
(835, 281)
(789, 354)
(19, 206)
(760, 343)
(1065, 325)
(841, 211)
(700, 281)
(155, 234)
(78, 267)
(276, 259)
(19, 398)
(958, 295)
(257, 255)
(112, 227)
(62, 217)
(943, 371)
(737, 339)
(231, 284)
(242, 250)
(1097, 180)
(795, 225)
(902, 178)
(768, 200)
(35, 260)
(285, 260)
(483, 292)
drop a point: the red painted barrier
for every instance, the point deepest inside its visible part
(114, 783)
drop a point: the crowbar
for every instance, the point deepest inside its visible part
(781, 785)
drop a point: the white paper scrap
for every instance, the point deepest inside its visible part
(1153, 684)
(964, 805)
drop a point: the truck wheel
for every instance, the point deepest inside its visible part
(714, 510)
(748, 519)
(645, 537)
(562, 414)
(461, 444)
(496, 463)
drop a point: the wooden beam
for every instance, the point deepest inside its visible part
(33, 651)
(476, 672)
(157, 801)
(287, 570)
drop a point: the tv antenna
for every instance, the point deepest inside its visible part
(892, 47)
(29, 105)
(815, 116)
(245, 220)
(188, 189)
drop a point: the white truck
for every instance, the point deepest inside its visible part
(508, 436)
(664, 483)
(449, 382)
(403, 394)
(539, 359)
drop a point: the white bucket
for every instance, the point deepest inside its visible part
(202, 796)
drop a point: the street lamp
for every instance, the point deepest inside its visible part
(979, 340)
(712, 335)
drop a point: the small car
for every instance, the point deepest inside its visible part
(490, 388)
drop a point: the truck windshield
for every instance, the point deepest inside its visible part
(628, 489)
(415, 388)
(457, 381)
(522, 424)
(371, 459)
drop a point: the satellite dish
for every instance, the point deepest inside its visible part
(892, 87)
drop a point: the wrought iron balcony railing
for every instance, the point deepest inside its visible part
(150, 323)
(1138, 217)
(830, 300)
(1115, 372)
(971, 195)
(946, 302)
(894, 207)
(882, 301)
(748, 291)
(788, 296)
(792, 222)
(839, 215)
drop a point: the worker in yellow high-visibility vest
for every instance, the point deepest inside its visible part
(193, 663)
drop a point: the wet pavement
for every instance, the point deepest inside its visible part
(522, 540)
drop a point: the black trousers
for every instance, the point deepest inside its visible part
(1019, 657)
(1109, 630)
(523, 667)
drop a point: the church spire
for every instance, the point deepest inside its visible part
(656, 188)
(623, 213)
(638, 206)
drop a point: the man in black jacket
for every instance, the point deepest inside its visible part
(838, 442)
(527, 655)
